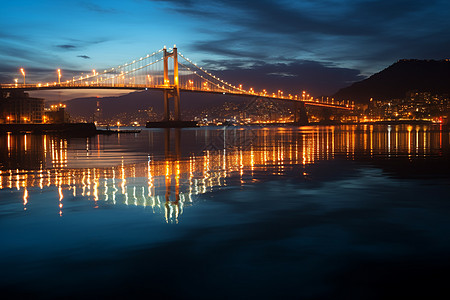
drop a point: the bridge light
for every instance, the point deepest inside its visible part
(23, 74)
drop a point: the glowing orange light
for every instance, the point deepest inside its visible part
(23, 74)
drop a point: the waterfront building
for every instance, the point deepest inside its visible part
(17, 107)
(56, 114)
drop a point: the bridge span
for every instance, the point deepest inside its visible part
(169, 71)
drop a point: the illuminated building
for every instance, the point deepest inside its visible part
(17, 107)
(56, 114)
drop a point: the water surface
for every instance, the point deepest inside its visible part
(345, 212)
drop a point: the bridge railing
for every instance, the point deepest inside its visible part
(185, 87)
(155, 72)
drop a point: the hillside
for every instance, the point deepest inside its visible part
(398, 79)
(142, 100)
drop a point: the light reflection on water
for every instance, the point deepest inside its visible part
(150, 169)
(276, 196)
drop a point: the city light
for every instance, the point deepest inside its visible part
(151, 70)
(23, 74)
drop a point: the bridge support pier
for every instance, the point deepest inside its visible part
(172, 94)
(171, 91)
(326, 114)
(300, 115)
(166, 117)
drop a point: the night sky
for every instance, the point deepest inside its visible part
(318, 45)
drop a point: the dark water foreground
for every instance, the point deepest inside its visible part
(301, 213)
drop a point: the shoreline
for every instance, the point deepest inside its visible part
(89, 129)
(72, 129)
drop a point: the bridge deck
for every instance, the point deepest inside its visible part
(134, 87)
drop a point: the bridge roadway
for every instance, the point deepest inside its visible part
(133, 87)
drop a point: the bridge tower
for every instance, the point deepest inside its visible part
(172, 91)
(300, 115)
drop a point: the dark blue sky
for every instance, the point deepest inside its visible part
(318, 45)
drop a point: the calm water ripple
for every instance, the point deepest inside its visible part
(339, 212)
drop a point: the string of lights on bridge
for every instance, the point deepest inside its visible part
(148, 73)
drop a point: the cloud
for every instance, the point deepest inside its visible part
(364, 34)
(5, 79)
(282, 74)
(20, 51)
(76, 44)
(38, 74)
(67, 47)
(97, 8)
(291, 76)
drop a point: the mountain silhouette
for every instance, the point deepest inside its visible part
(394, 82)
(142, 100)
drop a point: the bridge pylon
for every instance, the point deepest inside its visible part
(300, 115)
(173, 90)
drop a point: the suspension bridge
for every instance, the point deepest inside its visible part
(171, 72)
